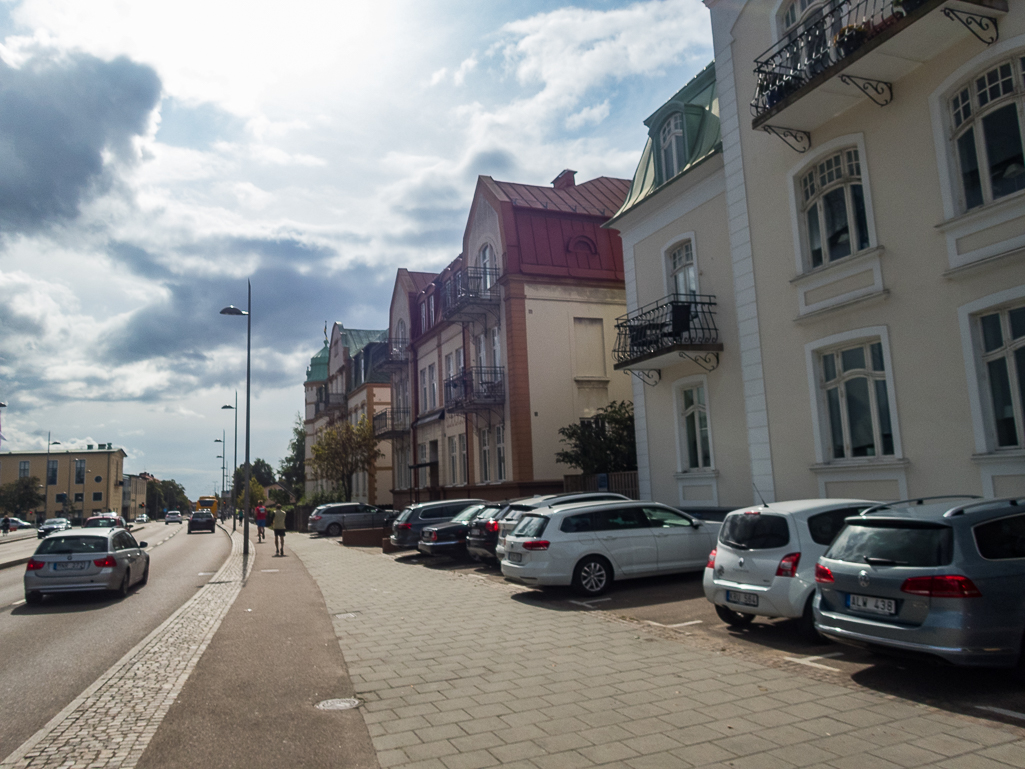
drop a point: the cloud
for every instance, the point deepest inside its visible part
(65, 123)
(468, 66)
(588, 116)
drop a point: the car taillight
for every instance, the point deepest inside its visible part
(491, 526)
(711, 558)
(823, 574)
(947, 586)
(314, 517)
(403, 526)
(106, 563)
(536, 544)
(434, 536)
(33, 564)
(788, 565)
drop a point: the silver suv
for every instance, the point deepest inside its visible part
(933, 576)
(330, 520)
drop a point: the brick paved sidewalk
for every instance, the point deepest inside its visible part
(457, 673)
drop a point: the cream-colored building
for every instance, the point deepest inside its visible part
(870, 266)
(133, 497)
(77, 482)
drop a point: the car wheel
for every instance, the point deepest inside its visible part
(733, 618)
(145, 575)
(33, 597)
(593, 576)
(334, 530)
(122, 591)
(807, 626)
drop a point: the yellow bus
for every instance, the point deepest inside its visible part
(207, 503)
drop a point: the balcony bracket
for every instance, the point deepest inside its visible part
(709, 361)
(878, 91)
(799, 141)
(983, 27)
(650, 378)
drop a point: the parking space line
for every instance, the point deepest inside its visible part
(810, 661)
(587, 604)
(687, 624)
(1002, 712)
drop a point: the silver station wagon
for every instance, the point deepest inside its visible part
(98, 559)
(933, 576)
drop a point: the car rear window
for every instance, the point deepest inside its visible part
(404, 515)
(825, 526)
(573, 524)
(432, 513)
(758, 531)
(1002, 539)
(530, 526)
(71, 545)
(898, 544)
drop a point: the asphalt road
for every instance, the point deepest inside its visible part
(678, 605)
(52, 652)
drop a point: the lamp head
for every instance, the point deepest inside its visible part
(233, 310)
(228, 407)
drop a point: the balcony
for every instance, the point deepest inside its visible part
(330, 401)
(471, 293)
(661, 333)
(850, 50)
(396, 357)
(475, 389)
(391, 423)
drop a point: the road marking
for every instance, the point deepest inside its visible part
(268, 571)
(810, 661)
(687, 624)
(1003, 712)
(587, 604)
(205, 573)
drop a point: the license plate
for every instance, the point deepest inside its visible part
(69, 566)
(514, 557)
(872, 605)
(746, 599)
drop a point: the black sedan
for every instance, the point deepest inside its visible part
(202, 520)
(52, 525)
(450, 538)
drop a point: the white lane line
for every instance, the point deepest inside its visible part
(587, 604)
(268, 571)
(1003, 712)
(810, 661)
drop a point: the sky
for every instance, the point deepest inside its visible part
(157, 154)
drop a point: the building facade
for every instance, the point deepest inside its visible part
(133, 497)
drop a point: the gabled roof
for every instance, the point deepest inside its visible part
(357, 338)
(598, 197)
(422, 280)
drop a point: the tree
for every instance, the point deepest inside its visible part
(165, 495)
(342, 450)
(292, 469)
(260, 469)
(603, 444)
(20, 496)
(257, 494)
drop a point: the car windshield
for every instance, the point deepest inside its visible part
(894, 544)
(71, 545)
(202, 514)
(757, 531)
(55, 522)
(100, 522)
(530, 526)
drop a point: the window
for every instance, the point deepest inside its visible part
(51, 472)
(432, 377)
(97, 496)
(755, 532)
(1003, 357)
(833, 208)
(482, 353)
(423, 390)
(853, 381)
(401, 332)
(62, 497)
(986, 117)
(23, 469)
(496, 348)
(500, 452)
(423, 317)
(695, 428)
(430, 310)
(449, 366)
(824, 527)
(683, 274)
(460, 360)
(660, 517)
(795, 12)
(1001, 539)
(422, 472)
(673, 146)
(487, 265)
(453, 461)
(574, 524)
(79, 471)
(629, 518)
(485, 456)
(79, 496)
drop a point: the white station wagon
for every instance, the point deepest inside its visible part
(588, 545)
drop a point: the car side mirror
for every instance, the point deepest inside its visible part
(144, 544)
(697, 523)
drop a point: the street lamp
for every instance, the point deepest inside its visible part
(221, 457)
(3, 405)
(234, 466)
(233, 310)
(46, 494)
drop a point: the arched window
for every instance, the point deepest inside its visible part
(833, 208)
(853, 382)
(986, 118)
(674, 147)
(400, 331)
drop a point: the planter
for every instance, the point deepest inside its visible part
(849, 39)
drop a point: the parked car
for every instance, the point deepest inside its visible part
(941, 577)
(142, 518)
(173, 516)
(330, 520)
(764, 562)
(518, 507)
(202, 520)
(105, 520)
(450, 538)
(411, 521)
(53, 525)
(18, 523)
(591, 544)
(102, 559)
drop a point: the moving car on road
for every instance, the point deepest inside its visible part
(142, 518)
(202, 520)
(101, 559)
(18, 523)
(764, 561)
(172, 516)
(105, 520)
(941, 577)
(53, 525)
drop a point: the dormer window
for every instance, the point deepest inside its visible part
(674, 147)
(795, 13)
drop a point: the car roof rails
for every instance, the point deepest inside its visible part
(915, 501)
(962, 509)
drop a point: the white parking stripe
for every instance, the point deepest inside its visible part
(1002, 711)
(810, 661)
(687, 624)
(587, 604)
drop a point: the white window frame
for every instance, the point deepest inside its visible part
(482, 351)
(484, 442)
(423, 317)
(453, 460)
(432, 379)
(500, 452)
(423, 391)
(462, 457)
(675, 139)
(1005, 352)
(430, 310)
(668, 251)
(496, 347)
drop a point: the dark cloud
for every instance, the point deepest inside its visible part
(196, 127)
(57, 117)
(490, 163)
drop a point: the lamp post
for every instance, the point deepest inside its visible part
(221, 457)
(46, 493)
(234, 466)
(3, 405)
(233, 310)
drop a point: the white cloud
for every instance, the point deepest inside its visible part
(588, 116)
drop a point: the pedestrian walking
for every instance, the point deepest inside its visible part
(5, 525)
(261, 522)
(278, 524)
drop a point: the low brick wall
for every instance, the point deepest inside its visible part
(362, 537)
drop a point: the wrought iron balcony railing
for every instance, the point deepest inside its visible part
(330, 401)
(396, 355)
(677, 323)
(469, 288)
(391, 423)
(475, 388)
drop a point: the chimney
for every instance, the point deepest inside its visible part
(565, 180)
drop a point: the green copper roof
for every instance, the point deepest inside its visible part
(358, 338)
(698, 104)
(317, 370)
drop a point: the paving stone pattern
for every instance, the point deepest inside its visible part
(457, 673)
(110, 724)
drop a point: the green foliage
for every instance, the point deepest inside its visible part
(20, 496)
(279, 496)
(292, 469)
(165, 495)
(342, 450)
(603, 444)
(318, 498)
(262, 471)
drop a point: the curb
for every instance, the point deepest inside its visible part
(17, 562)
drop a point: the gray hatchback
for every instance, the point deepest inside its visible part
(406, 529)
(929, 576)
(98, 559)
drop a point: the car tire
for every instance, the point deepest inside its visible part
(733, 618)
(33, 597)
(807, 624)
(592, 576)
(333, 530)
(122, 591)
(145, 575)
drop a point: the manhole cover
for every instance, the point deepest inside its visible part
(347, 704)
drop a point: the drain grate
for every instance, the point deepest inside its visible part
(343, 704)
